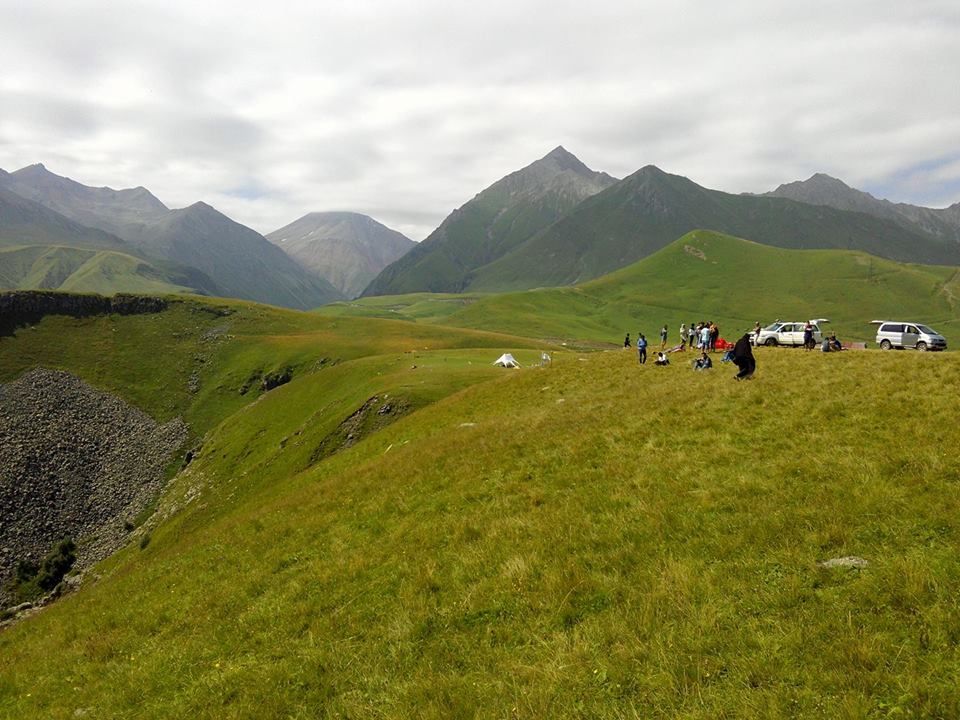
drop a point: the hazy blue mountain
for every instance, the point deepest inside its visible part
(822, 189)
(493, 223)
(123, 213)
(345, 248)
(234, 259)
(24, 222)
(240, 261)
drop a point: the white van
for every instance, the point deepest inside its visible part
(896, 334)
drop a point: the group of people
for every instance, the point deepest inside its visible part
(704, 337)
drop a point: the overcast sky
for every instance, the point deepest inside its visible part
(404, 110)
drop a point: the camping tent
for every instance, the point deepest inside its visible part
(506, 360)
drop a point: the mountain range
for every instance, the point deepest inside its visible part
(554, 222)
(627, 220)
(197, 245)
(345, 248)
(821, 189)
(492, 224)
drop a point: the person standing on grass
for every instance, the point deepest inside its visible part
(626, 341)
(683, 334)
(756, 333)
(642, 349)
(705, 337)
(808, 343)
(663, 337)
(693, 336)
(743, 358)
(714, 336)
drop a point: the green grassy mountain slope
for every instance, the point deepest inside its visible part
(492, 224)
(347, 249)
(204, 359)
(651, 208)
(576, 540)
(703, 275)
(94, 271)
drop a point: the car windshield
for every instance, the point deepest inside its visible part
(775, 326)
(927, 330)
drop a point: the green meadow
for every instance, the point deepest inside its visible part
(702, 276)
(586, 539)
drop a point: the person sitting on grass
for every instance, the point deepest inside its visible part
(703, 362)
(662, 360)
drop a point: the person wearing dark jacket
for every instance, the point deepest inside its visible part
(743, 358)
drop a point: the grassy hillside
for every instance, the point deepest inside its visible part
(592, 539)
(706, 275)
(650, 209)
(205, 359)
(79, 270)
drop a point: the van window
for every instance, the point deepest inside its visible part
(911, 329)
(892, 328)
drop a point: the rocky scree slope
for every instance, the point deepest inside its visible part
(74, 462)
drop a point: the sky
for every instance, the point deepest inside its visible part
(405, 110)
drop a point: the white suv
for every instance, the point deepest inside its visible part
(894, 334)
(788, 333)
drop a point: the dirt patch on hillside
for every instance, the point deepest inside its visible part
(695, 251)
(375, 414)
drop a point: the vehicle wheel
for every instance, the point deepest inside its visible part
(885, 345)
(770, 342)
(922, 346)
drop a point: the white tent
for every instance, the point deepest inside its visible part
(507, 360)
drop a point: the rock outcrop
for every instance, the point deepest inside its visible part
(27, 307)
(74, 462)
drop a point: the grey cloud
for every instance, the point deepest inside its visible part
(409, 109)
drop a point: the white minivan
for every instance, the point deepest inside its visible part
(896, 334)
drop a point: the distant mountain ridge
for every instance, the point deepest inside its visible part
(25, 222)
(347, 249)
(822, 189)
(119, 212)
(494, 222)
(198, 240)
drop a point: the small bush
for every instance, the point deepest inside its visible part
(144, 541)
(56, 565)
(31, 581)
